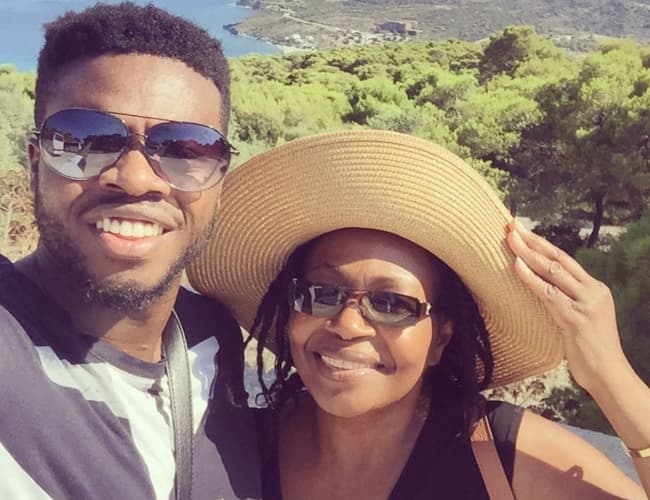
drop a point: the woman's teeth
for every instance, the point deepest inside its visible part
(132, 229)
(343, 364)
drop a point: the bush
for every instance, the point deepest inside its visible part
(562, 234)
(18, 234)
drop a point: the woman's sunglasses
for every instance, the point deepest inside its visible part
(382, 308)
(78, 143)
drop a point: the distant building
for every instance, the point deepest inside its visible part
(404, 28)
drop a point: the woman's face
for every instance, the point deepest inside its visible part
(349, 365)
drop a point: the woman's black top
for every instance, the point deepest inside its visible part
(442, 463)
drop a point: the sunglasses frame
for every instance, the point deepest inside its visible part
(423, 308)
(36, 136)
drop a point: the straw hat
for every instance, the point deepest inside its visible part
(377, 180)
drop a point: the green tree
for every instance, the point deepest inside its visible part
(441, 87)
(512, 47)
(455, 55)
(590, 147)
(490, 123)
(624, 267)
(16, 116)
(372, 97)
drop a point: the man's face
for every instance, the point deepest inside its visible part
(87, 227)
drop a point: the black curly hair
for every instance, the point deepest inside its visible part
(127, 28)
(457, 376)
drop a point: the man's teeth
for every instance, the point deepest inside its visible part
(342, 364)
(133, 229)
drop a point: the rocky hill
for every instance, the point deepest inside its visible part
(575, 24)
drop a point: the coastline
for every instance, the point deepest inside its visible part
(232, 28)
(21, 35)
(313, 25)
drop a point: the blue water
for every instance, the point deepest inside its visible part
(21, 34)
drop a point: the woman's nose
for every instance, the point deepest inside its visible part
(350, 322)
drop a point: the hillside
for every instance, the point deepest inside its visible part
(316, 23)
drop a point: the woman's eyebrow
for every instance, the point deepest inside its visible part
(327, 266)
(336, 272)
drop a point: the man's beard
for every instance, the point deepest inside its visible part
(126, 296)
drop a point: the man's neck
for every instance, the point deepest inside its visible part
(137, 333)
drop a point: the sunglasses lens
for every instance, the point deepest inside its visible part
(323, 301)
(395, 303)
(79, 143)
(326, 301)
(390, 308)
(189, 156)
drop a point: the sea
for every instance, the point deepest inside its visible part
(21, 25)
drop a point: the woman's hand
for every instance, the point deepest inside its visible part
(584, 309)
(581, 305)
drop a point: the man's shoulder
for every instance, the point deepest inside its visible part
(203, 317)
(8, 323)
(7, 286)
(25, 302)
(204, 320)
(8, 273)
(16, 339)
(16, 301)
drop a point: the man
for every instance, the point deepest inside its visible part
(131, 109)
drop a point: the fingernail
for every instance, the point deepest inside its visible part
(519, 262)
(520, 226)
(517, 237)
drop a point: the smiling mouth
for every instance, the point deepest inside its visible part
(343, 364)
(129, 228)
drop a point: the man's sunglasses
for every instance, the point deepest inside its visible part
(78, 143)
(382, 308)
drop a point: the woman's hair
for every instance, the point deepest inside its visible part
(456, 376)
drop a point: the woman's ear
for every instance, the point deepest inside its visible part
(442, 332)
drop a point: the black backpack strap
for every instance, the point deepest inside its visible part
(180, 394)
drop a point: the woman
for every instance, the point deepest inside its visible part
(389, 275)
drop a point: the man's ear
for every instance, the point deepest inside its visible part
(34, 159)
(442, 333)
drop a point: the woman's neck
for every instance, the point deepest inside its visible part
(339, 457)
(359, 439)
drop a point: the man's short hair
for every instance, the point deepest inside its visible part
(127, 28)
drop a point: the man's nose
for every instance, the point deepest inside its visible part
(133, 174)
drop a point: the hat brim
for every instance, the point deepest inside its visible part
(389, 182)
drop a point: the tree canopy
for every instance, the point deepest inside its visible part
(565, 140)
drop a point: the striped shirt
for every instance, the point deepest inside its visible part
(81, 419)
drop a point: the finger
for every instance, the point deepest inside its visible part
(551, 252)
(559, 305)
(549, 271)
